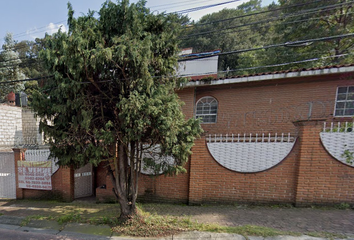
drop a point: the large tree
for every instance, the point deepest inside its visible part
(113, 96)
(229, 30)
(304, 20)
(10, 70)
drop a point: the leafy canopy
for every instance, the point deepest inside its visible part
(114, 84)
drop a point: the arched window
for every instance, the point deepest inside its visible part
(207, 109)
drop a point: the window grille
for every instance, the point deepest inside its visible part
(207, 110)
(344, 102)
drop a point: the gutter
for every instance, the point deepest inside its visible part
(275, 76)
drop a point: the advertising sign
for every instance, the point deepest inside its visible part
(35, 175)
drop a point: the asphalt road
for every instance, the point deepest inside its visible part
(7, 234)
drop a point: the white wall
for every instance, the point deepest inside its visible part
(18, 126)
(10, 125)
(198, 67)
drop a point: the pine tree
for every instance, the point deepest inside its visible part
(113, 94)
(10, 68)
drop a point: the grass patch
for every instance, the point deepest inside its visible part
(71, 217)
(153, 225)
(34, 217)
(102, 220)
(247, 230)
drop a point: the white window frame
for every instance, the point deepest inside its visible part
(207, 100)
(345, 101)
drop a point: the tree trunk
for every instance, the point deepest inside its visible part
(127, 210)
(120, 190)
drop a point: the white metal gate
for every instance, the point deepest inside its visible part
(83, 182)
(7, 175)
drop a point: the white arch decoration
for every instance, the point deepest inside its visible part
(249, 154)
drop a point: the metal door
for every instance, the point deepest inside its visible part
(83, 181)
(7, 175)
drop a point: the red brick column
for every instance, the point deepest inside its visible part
(67, 183)
(196, 171)
(18, 156)
(321, 179)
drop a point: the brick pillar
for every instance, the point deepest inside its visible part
(18, 156)
(196, 171)
(67, 183)
(309, 148)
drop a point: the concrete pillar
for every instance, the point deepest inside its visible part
(19, 155)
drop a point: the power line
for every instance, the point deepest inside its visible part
(203, 7)
(182, 3)
(196, 74)
(252, 14)
(31, 31)
(244, 25)
(275, 45)
(267, 66)
(256, 23)
(270, 20)
(26, 80)
(178, 12)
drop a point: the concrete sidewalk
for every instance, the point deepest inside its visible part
(82, 231)
(301, 220)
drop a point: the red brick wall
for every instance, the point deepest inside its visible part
(211, 182)
(309, 175)
(157, 189)
(272, 106)
(62, 187)
(187, 96)
(62, 183)
(164, 188)
(321, 178)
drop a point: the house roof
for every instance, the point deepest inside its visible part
(294, 73)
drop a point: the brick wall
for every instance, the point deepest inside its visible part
(164, 188)
(271, 106)
(156, 189)
(321, 178)
(62, 183)
(30, 128)
(10, 126)
(211, 182)
(18, 126)
(307, 175)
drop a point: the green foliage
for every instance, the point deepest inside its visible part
(71, 217)
(245, 30)
(349, 156)
(114, 91)
(10, 68)
(212, 32)
(343, 206)
(302, 23)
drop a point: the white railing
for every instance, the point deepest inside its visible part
(338, 127)
(263, 138)
(250, 152)
(337, 139)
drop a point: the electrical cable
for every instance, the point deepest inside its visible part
(247, 15)
(275, 45)
(266, 11)
(196, 74)
(265, 21)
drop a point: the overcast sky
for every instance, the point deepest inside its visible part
(28, 19)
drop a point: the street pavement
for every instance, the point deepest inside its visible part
(302, 220)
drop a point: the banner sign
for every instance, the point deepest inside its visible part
(35, 175)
